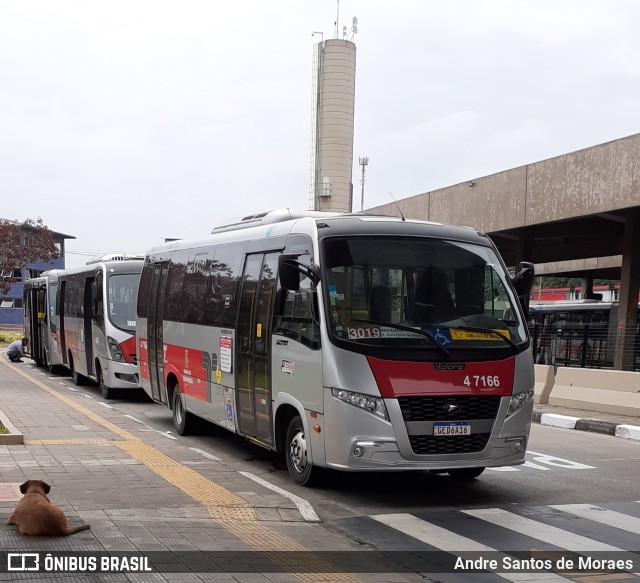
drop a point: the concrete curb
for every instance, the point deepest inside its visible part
(14, 437)
(591, 425)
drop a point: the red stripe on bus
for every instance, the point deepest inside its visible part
(192, 375)
(411, 379)
(143, 360)
(128, 349)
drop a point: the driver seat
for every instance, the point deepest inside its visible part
(380, 303)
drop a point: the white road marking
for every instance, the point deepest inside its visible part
(602, 515)
(206, 454)
(559, 462)
(544, 458)
(105, 405)
(450, 542)
(544, 532)
(305, 508)
(136, 420)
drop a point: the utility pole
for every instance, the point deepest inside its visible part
(363, 163)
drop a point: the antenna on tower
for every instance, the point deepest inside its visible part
(337, 17)
(352, 31)
(363, 162)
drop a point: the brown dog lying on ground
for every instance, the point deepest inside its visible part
(36, 516)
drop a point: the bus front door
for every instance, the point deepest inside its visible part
(155, 333)
(87, 335)
(253, 371)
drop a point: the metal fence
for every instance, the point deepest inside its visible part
(581, 346)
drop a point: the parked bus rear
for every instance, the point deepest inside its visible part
(41, 320)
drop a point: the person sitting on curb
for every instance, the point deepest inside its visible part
(17, 349)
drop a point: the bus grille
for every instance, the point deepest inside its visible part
(429, 444)
(436, 408)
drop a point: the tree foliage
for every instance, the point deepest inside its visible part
(21, 244)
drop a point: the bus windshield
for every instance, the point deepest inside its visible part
(379, 288)
(121, 300)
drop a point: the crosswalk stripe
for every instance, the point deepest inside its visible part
(534, 529)
(602, 515)
(448, 541)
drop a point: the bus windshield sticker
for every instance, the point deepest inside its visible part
(225, 353)
(467, 335)
(441, 335)
(333, 294)
(288, 367)
(362, 332)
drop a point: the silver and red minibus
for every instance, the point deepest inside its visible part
(96, 307)
(351, 342)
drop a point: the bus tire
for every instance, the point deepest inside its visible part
(465, 474)
(299, 465)
(183, 421)
(78, 379)
(107, 392)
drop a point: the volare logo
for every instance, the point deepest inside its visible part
(449, 365)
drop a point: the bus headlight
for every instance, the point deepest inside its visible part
(519, 400)
(114, 349)
(374, 405)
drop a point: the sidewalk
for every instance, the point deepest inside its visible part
(623, 426)
(143, 491)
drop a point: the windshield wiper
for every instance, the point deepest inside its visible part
(408, 329)
(510, 342)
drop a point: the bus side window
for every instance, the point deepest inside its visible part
(176, 299)
(225, 276)
(294, 311)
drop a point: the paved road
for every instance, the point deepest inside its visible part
(577, 491)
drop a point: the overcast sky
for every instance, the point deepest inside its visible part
(124, 122)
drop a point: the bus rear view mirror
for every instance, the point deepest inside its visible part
(289, 269)
(523, 283)
(523, 279)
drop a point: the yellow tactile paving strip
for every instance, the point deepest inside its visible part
(229, 510)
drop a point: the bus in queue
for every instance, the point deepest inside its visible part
(350, 342)
(96, 306)
(583, 333)
(41, 321)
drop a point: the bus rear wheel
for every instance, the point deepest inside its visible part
(300, 467)
(183, 421)
(465, 474)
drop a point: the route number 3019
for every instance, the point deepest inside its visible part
(482, 381)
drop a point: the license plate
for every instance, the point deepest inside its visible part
(458, 428)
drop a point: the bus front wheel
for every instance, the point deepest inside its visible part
(299, 465)
(78, 379)
(464, 474)
(182, 420)
(107, 392)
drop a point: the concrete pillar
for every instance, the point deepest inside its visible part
(629, 287)
(586, 288)
(525, 249)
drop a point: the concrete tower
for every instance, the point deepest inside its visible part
(332, 126)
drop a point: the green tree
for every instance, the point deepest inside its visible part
(21, 244)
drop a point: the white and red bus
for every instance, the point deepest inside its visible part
(351, 342)
(41, 320)
(96, 307)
